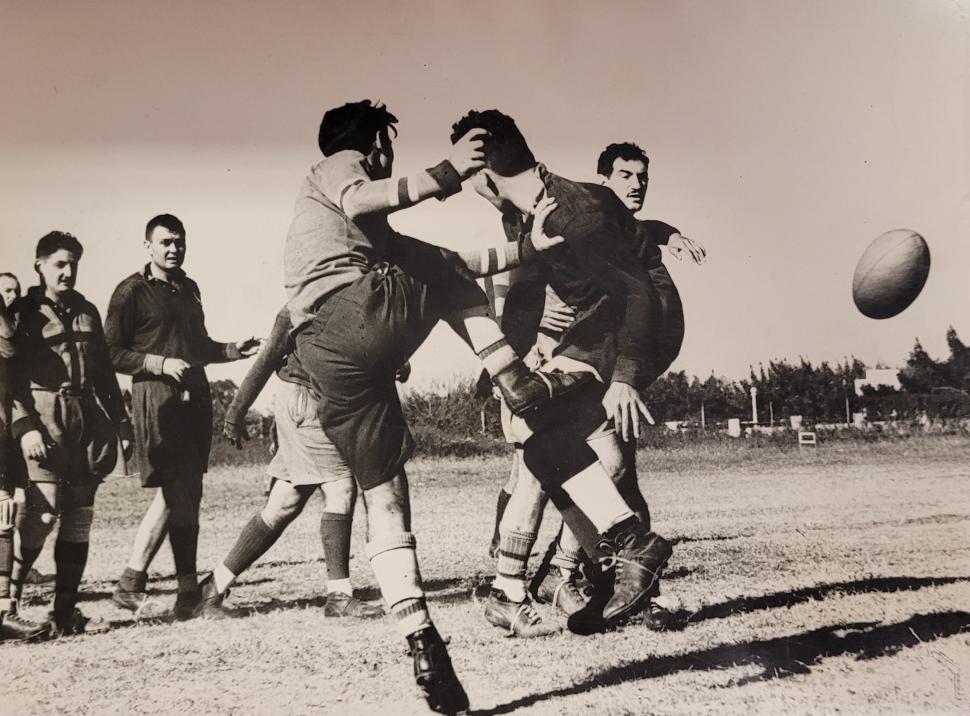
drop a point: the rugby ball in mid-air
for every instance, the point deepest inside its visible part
(891, 273)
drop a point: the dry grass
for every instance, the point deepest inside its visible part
(836, 581)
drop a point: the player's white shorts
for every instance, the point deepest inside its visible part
(305, 455)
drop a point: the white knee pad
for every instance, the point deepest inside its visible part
(76, 525)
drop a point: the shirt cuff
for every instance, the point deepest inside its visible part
(447, 177)
(22, 426)
(630, 371)
(231, 352)
(153, 364)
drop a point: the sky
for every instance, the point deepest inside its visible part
(784, 136)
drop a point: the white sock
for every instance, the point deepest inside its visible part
(223, 578)
(514, 588)
(6, 604)
(340, 585)
(595, 494)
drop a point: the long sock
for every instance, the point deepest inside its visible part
(184, 540)
(335, 535)
(501, 502)
(6, 565)
(70, 558)
(513, 559)
(394, 559)
(594, 493)
(569, 553)
(21, 566)
(497, 356)
(255, 538)
(133, 580)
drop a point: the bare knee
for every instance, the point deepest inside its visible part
(388, 507)
(284, 503)
(339, 496)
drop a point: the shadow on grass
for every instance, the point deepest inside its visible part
(776, 600)
(776, 658)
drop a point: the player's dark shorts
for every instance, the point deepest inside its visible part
(356, 342)
(173, 427)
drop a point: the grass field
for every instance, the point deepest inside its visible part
(835, 581)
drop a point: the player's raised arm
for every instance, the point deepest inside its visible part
(359, 188)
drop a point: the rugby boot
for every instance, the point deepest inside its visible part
(517, 618)
(210, 602)
(656, 617)
(339, 604)
(562, 591)
(71, 622)
(188, 605)
(434, 674)
(140, 603)
(639, 558)
(524, 390)
(13, 627)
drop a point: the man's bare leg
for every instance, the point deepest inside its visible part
(131, 591)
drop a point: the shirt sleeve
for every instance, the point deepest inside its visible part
(212, 351)
(120, 326)
(616, 273)
(106, 384)
(344, 182)
(659, 232)
(270, 357)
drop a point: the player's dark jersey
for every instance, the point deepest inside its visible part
(598, 271)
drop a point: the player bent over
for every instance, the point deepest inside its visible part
(12, 625)
(156, 333)
(68, 413)
(594, 270)
(305, 462)
(624, 170)
(362, 299)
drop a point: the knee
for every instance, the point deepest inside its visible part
(339, 496)
(386, 508)
(35, 527)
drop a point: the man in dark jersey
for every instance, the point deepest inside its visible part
(617, 307)
(156, 332)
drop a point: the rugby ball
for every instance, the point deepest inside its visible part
(891, 273)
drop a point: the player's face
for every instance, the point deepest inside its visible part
(166, 248)
(628, 180)
(9, 289)
(484, 184)
(58, 271)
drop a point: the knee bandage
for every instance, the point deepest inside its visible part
(394, 559)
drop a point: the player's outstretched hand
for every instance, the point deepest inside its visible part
(623, 404)
(557, 316)
(175, 368)
(32, 444)
(679, 245)
(235, 433)
(467, 155)
(248, 347)
(540, 239)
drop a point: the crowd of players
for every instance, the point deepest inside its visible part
(578, 316)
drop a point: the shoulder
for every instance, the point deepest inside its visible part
(128, 286)
(581, 206)
(338, 169)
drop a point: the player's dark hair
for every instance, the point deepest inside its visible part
(7, 274)
(166, 221)
(621, 150)
(505, 149)
(55, 241)
(353, 126)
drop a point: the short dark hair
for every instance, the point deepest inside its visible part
(506, 151)
(166, 221)
(353, 126)
(621, 150)
(55, 241)
(7, 274)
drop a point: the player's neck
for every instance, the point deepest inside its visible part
(160, 273)
(524, 191)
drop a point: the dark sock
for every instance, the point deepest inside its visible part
(132, 580)
(185, 542)
(70, 558)
(6, 562)
(500, 504)
(28, 555)
(251, 544)
(335, 535)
